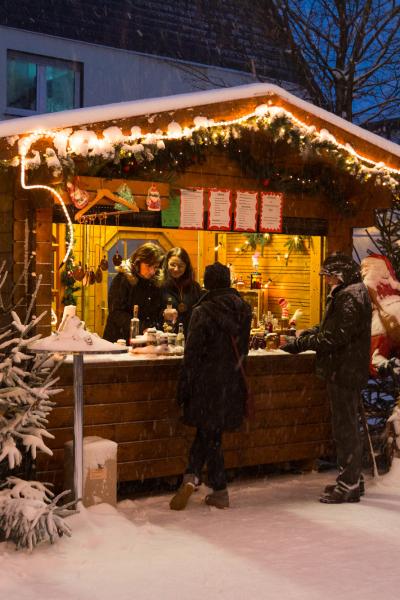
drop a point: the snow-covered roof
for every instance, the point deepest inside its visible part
(123, 110)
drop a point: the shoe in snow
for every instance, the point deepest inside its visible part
(219, 499)
(340, 494)
(329, 488)
(181, 498)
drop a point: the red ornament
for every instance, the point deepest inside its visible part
(126, 168)
(266, 182)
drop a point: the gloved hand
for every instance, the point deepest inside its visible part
(290, 347)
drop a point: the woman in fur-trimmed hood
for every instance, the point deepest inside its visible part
(137, 282)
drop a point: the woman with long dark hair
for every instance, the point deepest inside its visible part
(137, 282)
(179, 286)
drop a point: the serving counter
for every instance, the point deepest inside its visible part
(131, 400)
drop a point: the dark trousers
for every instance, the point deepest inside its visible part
(346, 431)
(207, 450)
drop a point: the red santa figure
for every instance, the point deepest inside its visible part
(384, 289)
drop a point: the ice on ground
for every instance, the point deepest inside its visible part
(275, 542)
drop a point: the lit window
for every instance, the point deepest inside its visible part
(38, 84)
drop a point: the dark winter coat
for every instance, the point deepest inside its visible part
(342, 340)
(188, 295)
(211, 387)
(127, 290)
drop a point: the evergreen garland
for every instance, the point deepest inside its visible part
(67, 279)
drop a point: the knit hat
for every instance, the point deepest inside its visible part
(217, 276)
(341, 266)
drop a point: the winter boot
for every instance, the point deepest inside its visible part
(181, 498)
(219, 499)
(329, 488)
(341, 493)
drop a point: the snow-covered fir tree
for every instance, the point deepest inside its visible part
(28, 511)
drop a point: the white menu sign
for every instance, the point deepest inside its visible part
(219, 213)
(246, 211)
(192, 209)
(271, 211)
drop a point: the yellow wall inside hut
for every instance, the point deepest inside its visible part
(297, 280)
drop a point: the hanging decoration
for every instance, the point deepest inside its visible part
(298, 244)
(125, 192)
(79, 198)
(253, 240)
(153, 199)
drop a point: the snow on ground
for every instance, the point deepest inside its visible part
(275, 542)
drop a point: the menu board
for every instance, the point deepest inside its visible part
(219, 212)
(192, 209)
(271, 211)
(246, 211)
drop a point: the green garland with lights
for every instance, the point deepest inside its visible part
(257, 142)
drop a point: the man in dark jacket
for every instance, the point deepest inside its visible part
(212, 389)
(342, 344)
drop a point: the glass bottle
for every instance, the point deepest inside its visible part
(180, 338)
(135, 324)
(169, 317)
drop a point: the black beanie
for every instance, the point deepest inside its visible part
(217, 276)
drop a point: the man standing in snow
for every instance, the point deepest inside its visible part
(342, 343)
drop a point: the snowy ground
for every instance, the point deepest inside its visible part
(275, 542)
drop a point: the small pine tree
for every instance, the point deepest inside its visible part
(26, 387)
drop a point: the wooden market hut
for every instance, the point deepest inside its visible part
(333, 176)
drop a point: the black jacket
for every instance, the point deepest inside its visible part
(127, 290)
(342, 340)
(211, 386)
(189, 295)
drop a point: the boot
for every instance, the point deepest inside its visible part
(181, 498)
(219, 499)
(340, 494)
(329, 488)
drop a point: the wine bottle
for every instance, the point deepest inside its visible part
(135, 324)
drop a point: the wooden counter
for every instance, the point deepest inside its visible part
(133, 402)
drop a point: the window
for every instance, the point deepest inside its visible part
(37, 84)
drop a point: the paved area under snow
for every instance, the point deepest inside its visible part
(275, 542)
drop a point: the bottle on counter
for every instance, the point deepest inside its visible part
(180, 337)
(135, 324)
(169, 317)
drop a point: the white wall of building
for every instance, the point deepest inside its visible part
(113, 75)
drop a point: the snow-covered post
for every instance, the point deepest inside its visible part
(78, 425)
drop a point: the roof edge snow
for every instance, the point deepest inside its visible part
(123, 110)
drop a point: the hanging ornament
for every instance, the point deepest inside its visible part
(78, 273)
(125, 192)
(103, 228)
(117, 258)
(153, 199)
(99, 275)
(79, 198)
(86, 277)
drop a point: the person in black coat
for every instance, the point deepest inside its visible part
(211, 388)
(137, 282)
(342, 343)
(179, 286)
